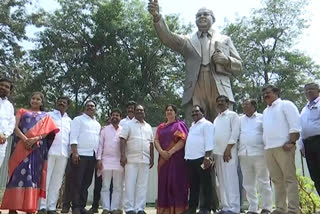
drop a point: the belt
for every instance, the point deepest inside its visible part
(311, 138)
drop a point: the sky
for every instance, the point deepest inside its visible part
(224, 10)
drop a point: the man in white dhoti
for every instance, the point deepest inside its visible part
(136, 145)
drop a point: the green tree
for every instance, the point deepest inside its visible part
(139, 66)
(13, 58)
(106, 50)
(265, 41)
(13, 21)
(60, 55)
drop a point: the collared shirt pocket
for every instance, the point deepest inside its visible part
(314, 113)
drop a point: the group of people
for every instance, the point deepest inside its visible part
(122, 152)
(50, 145)
(41, 147)
(263, 145)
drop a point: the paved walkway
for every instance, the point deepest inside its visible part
(148, 210)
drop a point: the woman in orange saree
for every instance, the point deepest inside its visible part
(27, 166)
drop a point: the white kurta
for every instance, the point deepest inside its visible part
(57, 160)
(226, 129)
(7, 124)
(138, 138)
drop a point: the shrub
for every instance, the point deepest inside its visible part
(309, 200)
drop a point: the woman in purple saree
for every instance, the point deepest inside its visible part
(172, 171)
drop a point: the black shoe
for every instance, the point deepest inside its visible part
(265, 211)
(131, 212)
(84, 211)
(65, 210)
(13, 212)
(94, 210)
(76, 211)
(52, 212)
(249, 212)
(42, 211)
(116, 212)
(141, 212)
(189, 211)
(203, 211)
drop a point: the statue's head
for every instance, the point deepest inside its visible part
(204, 19)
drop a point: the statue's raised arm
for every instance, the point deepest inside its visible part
(153, 8)
(173, 41)
(210, 59)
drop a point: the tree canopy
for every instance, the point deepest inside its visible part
(265, 42)
(107, 50)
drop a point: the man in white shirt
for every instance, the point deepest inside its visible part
(310, 132)
(131, 106)
(84, 140)
(281, 127)
(226, 134)
(251, 154)
(136, 146)
(198, 151)
(57, 157)
(7, 119)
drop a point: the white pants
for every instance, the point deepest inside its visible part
(56, 167)
(136, 182)
(2, 157)
(117, 177)
(228, 182)
(254, 171)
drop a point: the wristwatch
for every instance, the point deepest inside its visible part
(293, 142)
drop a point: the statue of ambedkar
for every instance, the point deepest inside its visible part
(210, 59)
